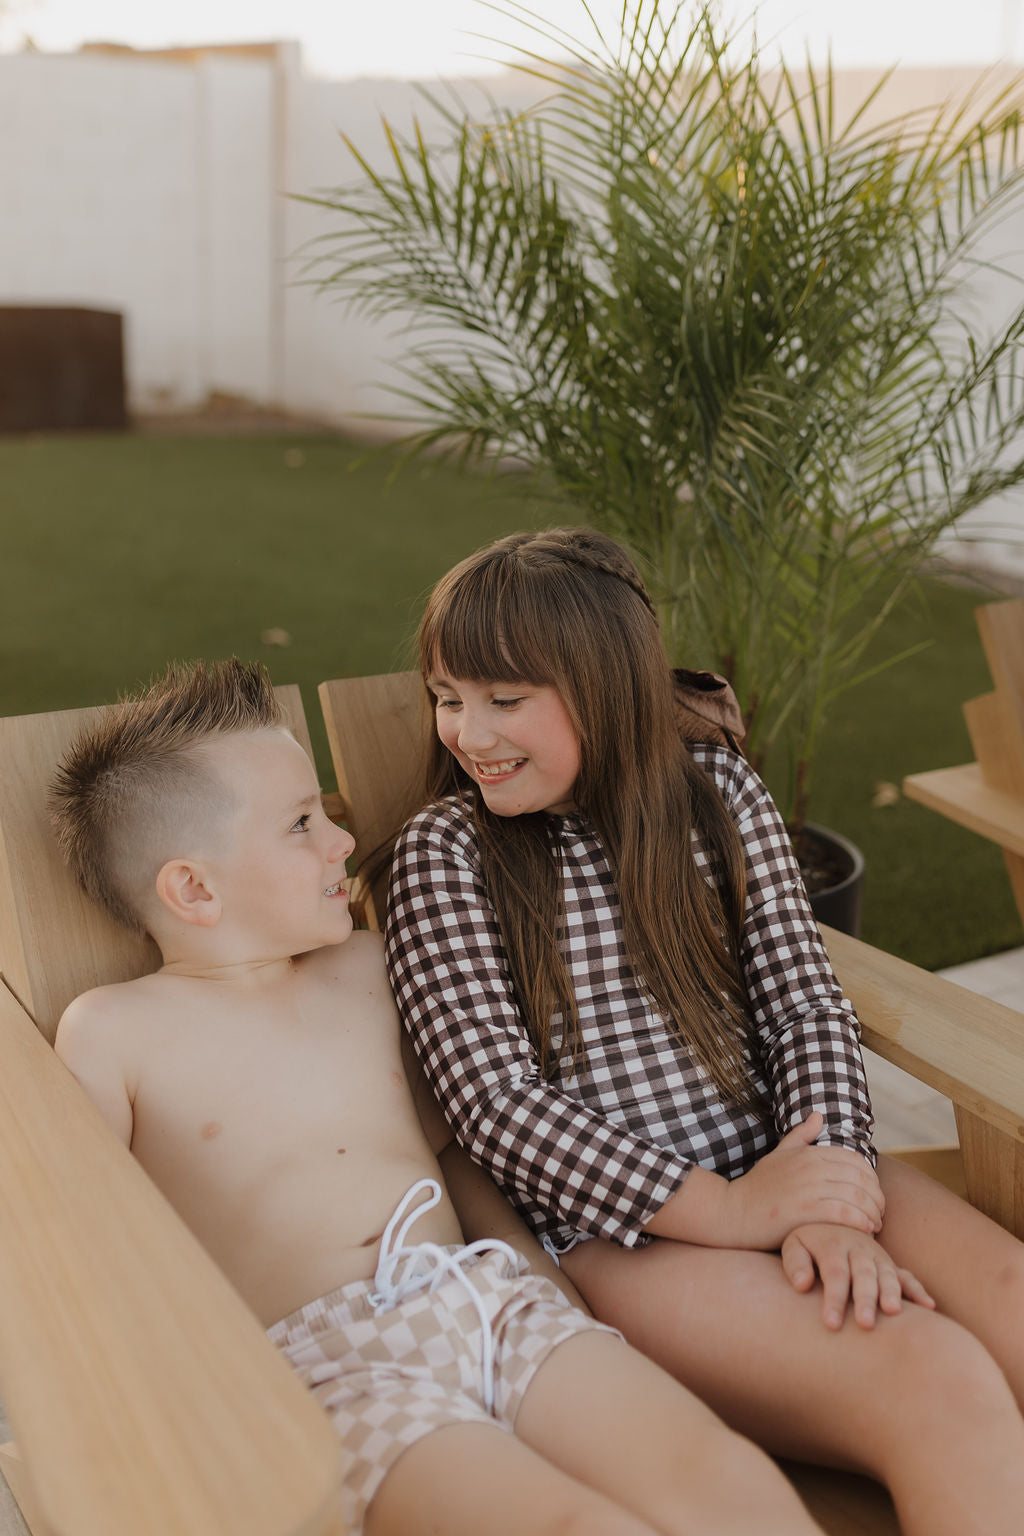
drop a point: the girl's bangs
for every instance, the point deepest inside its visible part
(483, 634)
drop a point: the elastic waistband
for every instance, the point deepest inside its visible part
(404, 1270)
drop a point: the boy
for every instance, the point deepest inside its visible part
(258, 1078)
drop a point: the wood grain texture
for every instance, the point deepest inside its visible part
(962, 794)
(377, 728)
(143, 1394)
(1001, 627)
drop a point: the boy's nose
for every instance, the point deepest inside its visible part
(342, 844)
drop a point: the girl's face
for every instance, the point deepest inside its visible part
(513, 739)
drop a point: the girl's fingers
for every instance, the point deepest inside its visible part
(868, 1283)
(913, 1290)
(835, 1283)
(797, 1264)
(891, 1290)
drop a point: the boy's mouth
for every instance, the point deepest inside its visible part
(497, 770)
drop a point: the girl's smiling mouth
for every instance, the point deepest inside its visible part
(500, 769)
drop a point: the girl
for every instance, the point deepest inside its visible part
(601, 947)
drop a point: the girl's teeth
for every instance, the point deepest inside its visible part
(490, 769)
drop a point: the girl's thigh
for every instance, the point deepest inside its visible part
(729, 1326)
(973, 1268)
(611, 1418)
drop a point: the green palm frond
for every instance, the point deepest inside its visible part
(728, 327)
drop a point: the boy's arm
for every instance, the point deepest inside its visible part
(86, 1044)
(479, 1204)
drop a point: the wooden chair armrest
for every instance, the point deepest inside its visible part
(965, 1046)
(963, 795)
(143, 1394)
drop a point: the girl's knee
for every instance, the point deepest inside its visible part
(935, 1368)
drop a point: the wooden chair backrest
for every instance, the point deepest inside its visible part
(55, 942)
(996, 720)
(377, 728)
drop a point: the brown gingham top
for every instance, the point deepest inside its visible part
(600, 1152)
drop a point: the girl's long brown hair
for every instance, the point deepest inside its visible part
(567, 608)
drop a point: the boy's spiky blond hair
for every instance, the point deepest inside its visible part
(130, 785)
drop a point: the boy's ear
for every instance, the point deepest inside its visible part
(181, 887)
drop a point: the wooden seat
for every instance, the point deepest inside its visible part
(988, 795)
(143, 1395)
(968, 1048)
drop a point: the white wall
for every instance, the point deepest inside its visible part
(143, 186)
(166, 188)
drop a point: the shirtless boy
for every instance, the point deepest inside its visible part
(258, 1078)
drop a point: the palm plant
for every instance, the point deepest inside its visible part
(728, 330)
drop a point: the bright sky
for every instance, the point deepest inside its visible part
(343, 38)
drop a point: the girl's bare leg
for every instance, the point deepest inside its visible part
(916, 1402)
(973, 1268)
(615, 1422)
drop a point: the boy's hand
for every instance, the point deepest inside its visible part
(797, 1183)
(852, 1265)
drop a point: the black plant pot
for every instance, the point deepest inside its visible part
(833, 869)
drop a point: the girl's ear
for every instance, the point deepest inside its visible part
(181, 887)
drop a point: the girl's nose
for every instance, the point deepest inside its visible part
(476, 734)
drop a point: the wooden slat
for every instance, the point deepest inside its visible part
(143, 1394)
(54, 943)
(997, 736)
(376, 727)
(993, 1170)
(1001, 627)
(962, 795)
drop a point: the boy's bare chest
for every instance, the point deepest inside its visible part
(252, 1093)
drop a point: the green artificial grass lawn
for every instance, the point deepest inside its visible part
(120, 553)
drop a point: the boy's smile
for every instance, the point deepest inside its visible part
(515, 740)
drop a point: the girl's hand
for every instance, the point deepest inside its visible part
(850, 1264)
(797, 1183)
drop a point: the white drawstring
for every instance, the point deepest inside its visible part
(402, 1271)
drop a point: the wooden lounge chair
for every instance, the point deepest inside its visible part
(988, 795)
(968, 1048)
(143, 1395)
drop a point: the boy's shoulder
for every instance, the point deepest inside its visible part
(360, 957)
(103, 1012)
(113, 1001)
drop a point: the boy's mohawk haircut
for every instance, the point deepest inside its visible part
(119, 772)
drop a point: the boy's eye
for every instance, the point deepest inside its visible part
(302, 825)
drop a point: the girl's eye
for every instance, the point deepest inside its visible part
(506, 703)
(447, 703)
(302, 825)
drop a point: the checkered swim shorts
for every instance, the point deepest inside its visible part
(389, 1374)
